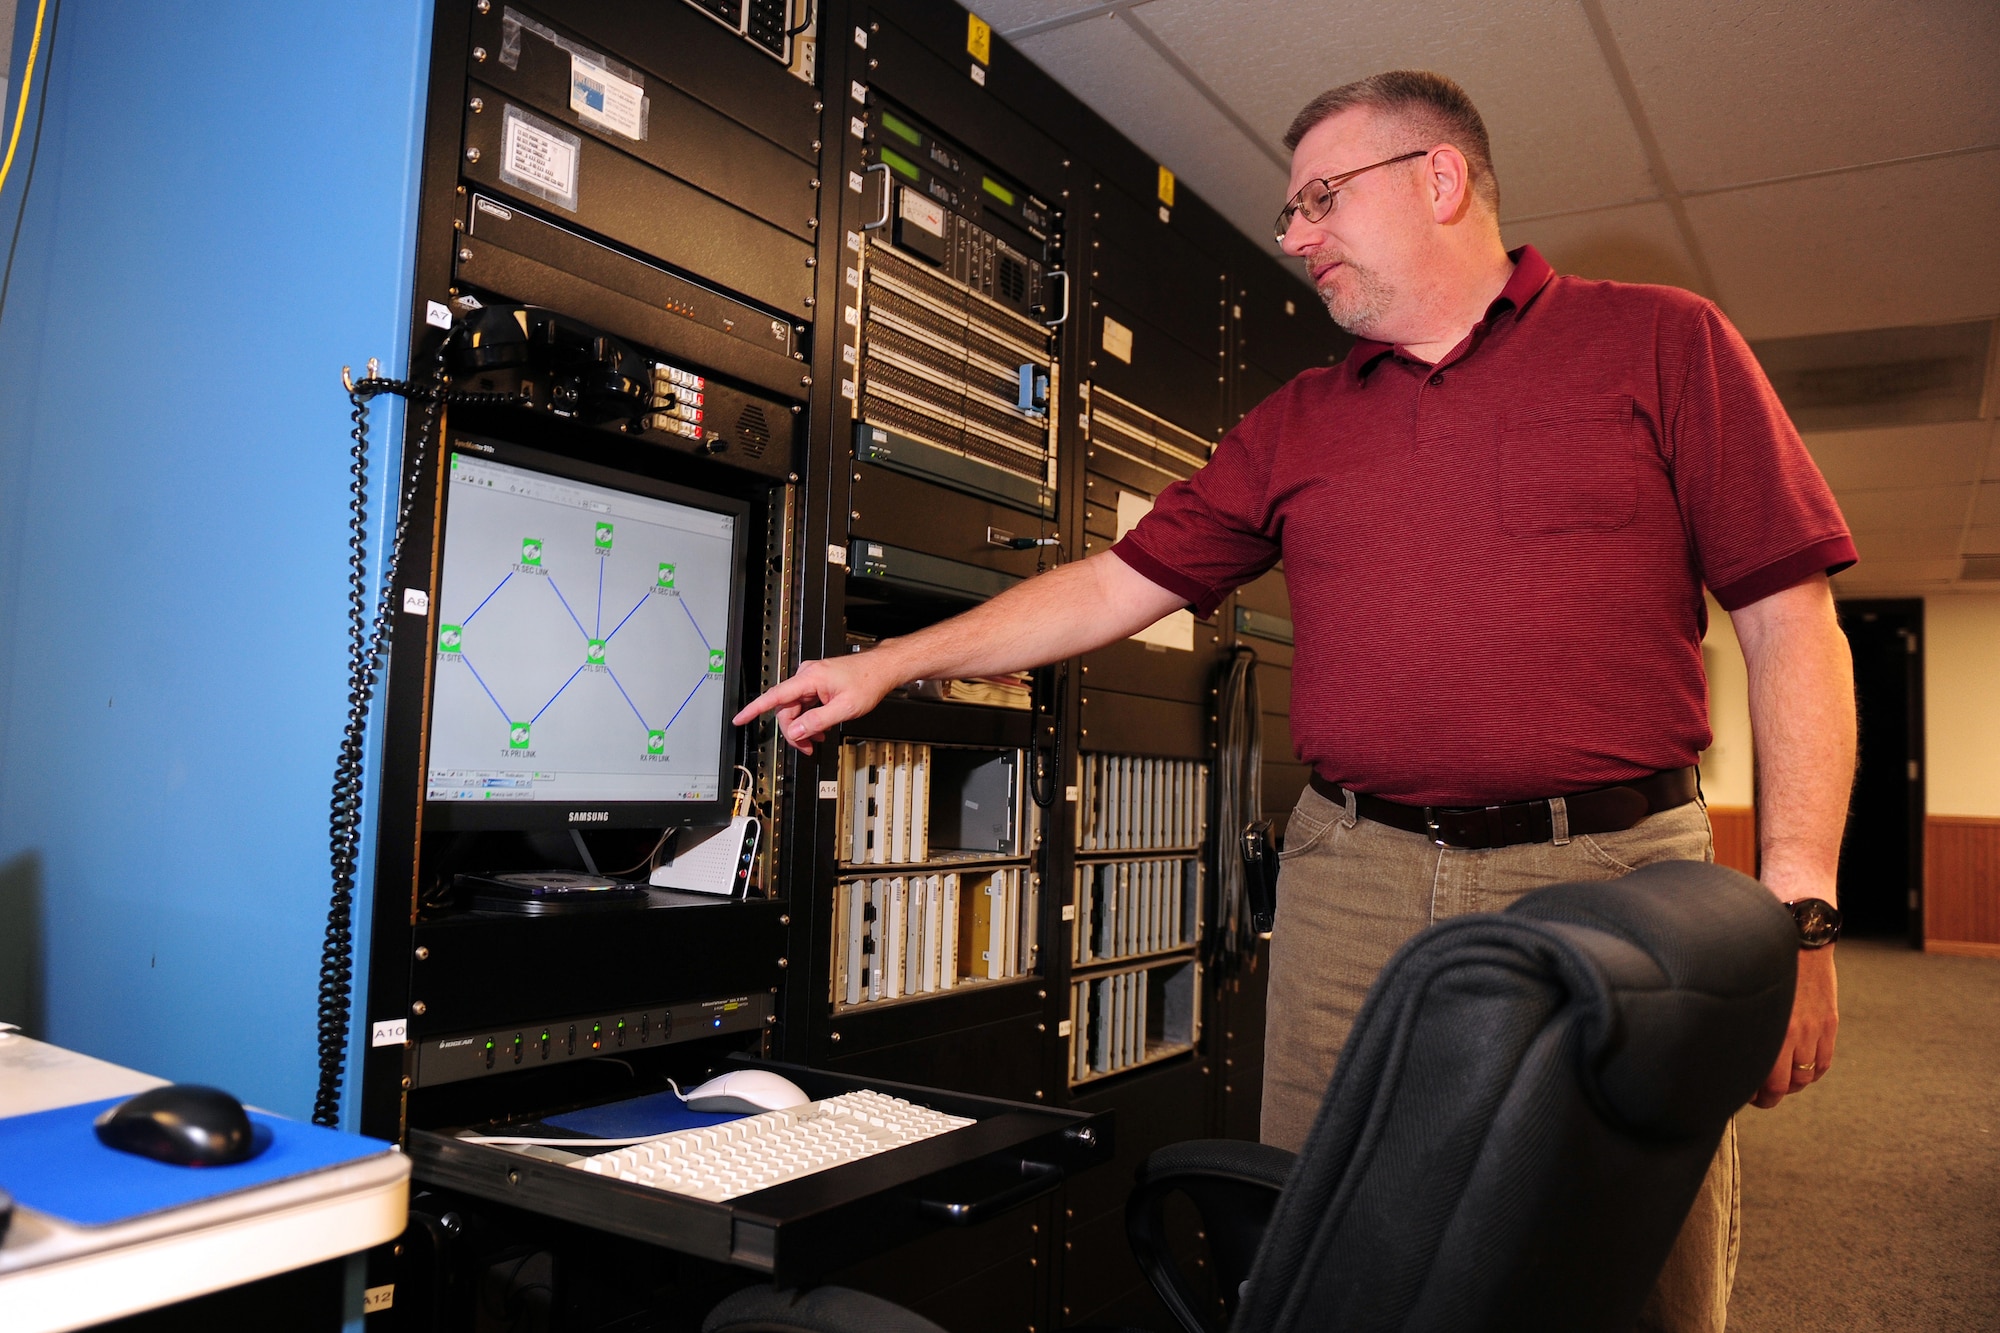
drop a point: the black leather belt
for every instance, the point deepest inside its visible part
(1476, 827)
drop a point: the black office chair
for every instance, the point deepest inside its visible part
(1515, 1132)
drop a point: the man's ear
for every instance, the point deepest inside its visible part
(1448, 177)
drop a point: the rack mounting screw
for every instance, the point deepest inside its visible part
(784, 962)
(835, 1036)
(406, 1081)
(485, 6)
(472, 154)
(479, 54)
(464, 254)
(478, 105)
(785, 920)
(423, 952)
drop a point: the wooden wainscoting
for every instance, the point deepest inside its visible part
(1962, 885)
(1735, 836)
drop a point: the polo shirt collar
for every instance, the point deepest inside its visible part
(1531, 274)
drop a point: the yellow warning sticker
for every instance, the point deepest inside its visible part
(1166, 187)
(979, 38)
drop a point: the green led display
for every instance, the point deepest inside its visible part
(899, 163)
(906, 133)
(998, 191)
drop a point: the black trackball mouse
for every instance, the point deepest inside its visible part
(185, 1124)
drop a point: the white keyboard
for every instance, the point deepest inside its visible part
(743, 1156)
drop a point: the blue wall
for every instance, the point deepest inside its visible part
(221, 216)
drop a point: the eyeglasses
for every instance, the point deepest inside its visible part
(1316, 197)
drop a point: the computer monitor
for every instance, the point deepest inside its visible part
(583, 642)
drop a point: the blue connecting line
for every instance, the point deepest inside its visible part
(695, 623)
(489, 597)
(565, 601)
(628, 698)
(557, 695)
(690, 699)
(484, 686)
(600, 596)
(628, 615)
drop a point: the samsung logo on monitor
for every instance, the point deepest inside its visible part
(590, 816)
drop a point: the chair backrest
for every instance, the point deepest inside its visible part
(1526, 1108)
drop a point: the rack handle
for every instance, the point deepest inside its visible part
(1037, 1178)
(1063, 318)
(888, 192)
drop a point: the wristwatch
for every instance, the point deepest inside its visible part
(1819, 922)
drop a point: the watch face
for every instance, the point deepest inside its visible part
(1819, 922)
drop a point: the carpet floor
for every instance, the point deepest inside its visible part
(1872, 1201)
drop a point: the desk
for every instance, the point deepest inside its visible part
(56, 1276)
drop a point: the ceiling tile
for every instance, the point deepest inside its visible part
(1992, 472)
(1916, 544)
(1896, 574)
(1900, 510)
(1561, 137)
(1743, 92)
(1982, 540)
(1008, 15)
(1124, 80)
(1901, 456)
(1639, 243)
(1908, 244)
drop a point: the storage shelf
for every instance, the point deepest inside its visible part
(1154, 1055)
(961, 861)
(1129, 962)
(963, 986)
(1099, 855)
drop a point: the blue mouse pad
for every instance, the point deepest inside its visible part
(51, 1161)
(660, 1113)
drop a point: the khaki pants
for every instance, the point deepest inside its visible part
(1352, 891)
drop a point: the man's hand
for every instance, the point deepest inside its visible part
(1808, 1050)
(820, 696)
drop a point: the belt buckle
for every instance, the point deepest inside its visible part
(1431, 823)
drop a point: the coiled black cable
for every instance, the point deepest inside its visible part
(1239, 799)
(366, 643)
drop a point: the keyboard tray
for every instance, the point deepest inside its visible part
(810, 1226)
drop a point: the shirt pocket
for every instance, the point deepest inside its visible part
(1570, 467)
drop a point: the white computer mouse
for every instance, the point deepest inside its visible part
(746, 1090)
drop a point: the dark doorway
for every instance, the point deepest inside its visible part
(1882, 857)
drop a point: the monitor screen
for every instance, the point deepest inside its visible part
(582, 636)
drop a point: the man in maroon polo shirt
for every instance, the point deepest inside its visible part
(1497, 516)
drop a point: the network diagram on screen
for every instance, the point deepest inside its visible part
(580, 642)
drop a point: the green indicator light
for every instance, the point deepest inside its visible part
(907, 133)
(900, 163)
(997, 190)
(489, 1045)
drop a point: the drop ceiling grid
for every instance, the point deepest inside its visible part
(1892, 246)
(1899, 457)
(1561, 137)
(1008, 16)
(1907, 509)
(1112, 69)
(1741, 92)
(1636, 243)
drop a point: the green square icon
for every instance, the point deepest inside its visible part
(531, 551)
(603, 538)
(517, 735)
(714, 660)
(666, 575)
(656, 742)
(451, 638)
(593, 652)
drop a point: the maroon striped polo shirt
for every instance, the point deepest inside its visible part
(1496, 563)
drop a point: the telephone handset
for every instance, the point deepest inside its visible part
(551, 363)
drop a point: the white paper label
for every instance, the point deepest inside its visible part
(437, 314)
(853, 277)
(857, 127)
(861, 38)
(854, 241)
(1165, 214)
(979, 75)
(600, 97)
(852, 317)
(1117, 340)
(858, 91)
(1131, 508)
(1063, 1028)
(1069, 792)
(837, 555)
(416, 601)
(854, 181)
(539, 158)
(847, 389)
(920, 211)
(829, 791)
(390, 1033)
(378, 1298)
(850, 355)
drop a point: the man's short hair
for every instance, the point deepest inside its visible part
(1430, 104)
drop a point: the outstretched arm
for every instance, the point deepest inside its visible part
(1802, 724)
(1069, 610)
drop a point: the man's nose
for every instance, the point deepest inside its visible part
(1301, 237)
